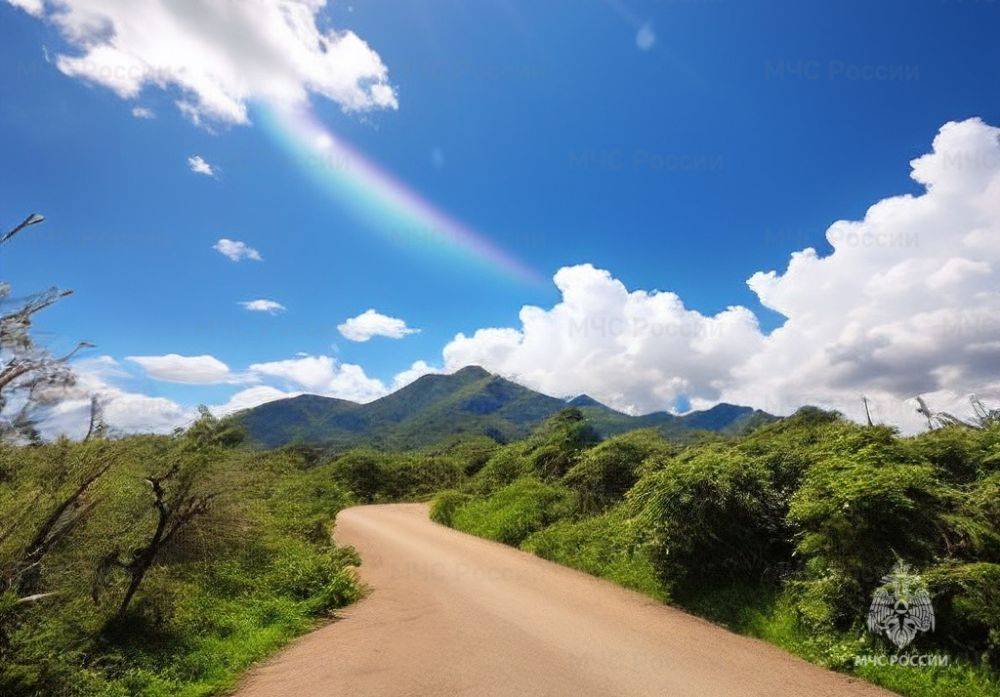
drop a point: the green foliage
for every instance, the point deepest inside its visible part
(386, 476)
(558, 442)
(514, 512)
(445, 504)
(710, 514)
(856, 514)
(967, 606)
(602, 546)
(604, 473)
(505, 466)
(255, 569)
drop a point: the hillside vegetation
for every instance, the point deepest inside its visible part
(166, 565)
(783, 534)
(469, 402)
(160, 565)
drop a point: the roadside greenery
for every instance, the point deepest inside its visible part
(783, 533)
(230, 560)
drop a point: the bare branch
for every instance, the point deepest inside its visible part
(32, 219)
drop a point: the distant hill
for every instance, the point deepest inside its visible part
(470, 401)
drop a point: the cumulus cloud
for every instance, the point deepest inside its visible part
(191, 370)
(249, 398)
(415, 371)
(141, 112)
(198, 165)
(234, 250)
(32, 7)
(907, 303)
(272, 307)
(125, 411)
(323, 375)
(218, 54)
(371, 323)
(637, 351)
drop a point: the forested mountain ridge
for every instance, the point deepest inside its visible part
(471, 401)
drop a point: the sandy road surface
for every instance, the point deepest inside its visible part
(450, 614)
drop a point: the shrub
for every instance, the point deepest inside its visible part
(553, 449)
(604, 473)
(967, 607)
(857, 514)
(360, 472)
(514, 512)
(445, 504)
(710, 514)
(601, 545)
(505, 466)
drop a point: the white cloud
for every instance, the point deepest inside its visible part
(219, 54)
(124, 411)
(191, 370)
(32, 7)
(645, 38)
(234, 250)
(249, 398)
(371, 323)
(323, 375)
(272, 307)
(198, 165)
(141, 112)
(907, 303)
(415, 371)
(636, 351)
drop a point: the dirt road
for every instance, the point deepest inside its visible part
(450, 614)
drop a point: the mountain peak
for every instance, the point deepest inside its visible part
(472, 371)
(583, 400)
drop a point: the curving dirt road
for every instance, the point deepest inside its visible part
(450, 614)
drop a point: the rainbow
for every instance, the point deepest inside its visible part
(378, 198)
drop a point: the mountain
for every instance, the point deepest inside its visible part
(470, 401)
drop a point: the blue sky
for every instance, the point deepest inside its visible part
(734, 139)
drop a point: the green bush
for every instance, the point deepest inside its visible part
(504, 467)
(856, 515)
(554, 447)
(376, 476)
(709, 514)
(601, 545)
(514, 512)
(605, 472)
(967, 607)
(445, 504)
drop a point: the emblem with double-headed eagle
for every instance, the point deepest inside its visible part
(901, 607)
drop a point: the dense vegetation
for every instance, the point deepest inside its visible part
(165, 565)
(227, 553)
(783, 533)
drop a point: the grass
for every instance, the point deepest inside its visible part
(514, 512)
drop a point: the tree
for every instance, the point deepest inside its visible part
(176, 505)
(31, 378)
(179, 497)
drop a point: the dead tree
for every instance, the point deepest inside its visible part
(868, 413)
(983, 415)
(97, 428)
(176, 505)
(31, 378)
